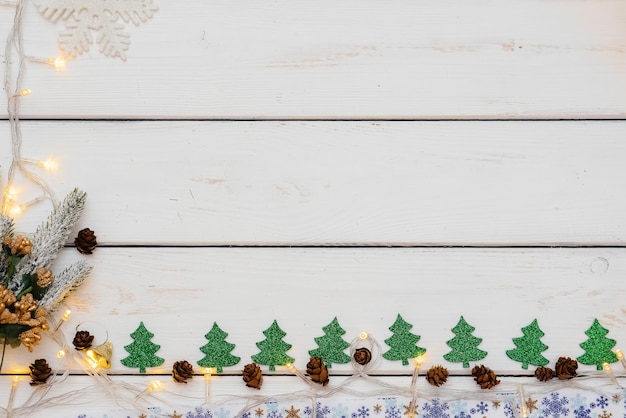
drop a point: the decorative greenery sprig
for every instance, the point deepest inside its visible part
(28, 288)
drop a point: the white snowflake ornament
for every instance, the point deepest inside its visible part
(84, 16)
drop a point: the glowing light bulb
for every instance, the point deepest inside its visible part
(419, 360)
(607, 369)
(64, 317)
(15, 381)
(155, 385)
(620, 356)
(524, 411)
(21, 93)
(58, 63)
(15, 210)
(363, 335)
(61, 353)
(10, 193)
(48, 164)
(208, 371)
(290, 366)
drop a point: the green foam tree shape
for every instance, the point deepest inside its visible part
(273, 349)
(217, 350)
(142, 350)
(331, 346)
(464, 345)
(597, 347)
(402, 342)
(529, 347)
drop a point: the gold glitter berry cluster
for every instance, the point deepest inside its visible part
(19, 314)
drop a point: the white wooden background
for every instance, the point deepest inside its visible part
(299, 160)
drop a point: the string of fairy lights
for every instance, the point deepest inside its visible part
(139, 398)
(14, 71)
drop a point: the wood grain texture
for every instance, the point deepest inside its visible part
(328, 60)
(347, 160)
(340, 183)
(95, 399)
(180, 293)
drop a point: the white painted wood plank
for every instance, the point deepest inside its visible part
(400, 183)
(96, 401)
(180, 293)
(228, 397)
(328, 59)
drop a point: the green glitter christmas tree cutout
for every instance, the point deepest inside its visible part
(217, 350)
(273, 348)
(331, 345)
(529, 347)
(597, 347)
(142, 350)
(402, 342)
(464, 345)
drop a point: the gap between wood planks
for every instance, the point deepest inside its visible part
(338, 119)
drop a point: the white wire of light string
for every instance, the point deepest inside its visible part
(136, 397)
(14, 92)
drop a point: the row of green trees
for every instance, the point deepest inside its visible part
(402, 347)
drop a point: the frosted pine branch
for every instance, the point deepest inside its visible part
(50, 237)
(6, 226)
(6, 229)
(64, 283)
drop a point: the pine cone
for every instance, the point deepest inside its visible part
(252, 376)
(82, 340)
(437, 375)
(182, 371)
(485, 377)
(362, 356)
(85, 241)
(39, 372)
(565, 368)
(317, 371)
(543, 374)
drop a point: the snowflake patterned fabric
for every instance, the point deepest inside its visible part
(566, 403)
(84, 17)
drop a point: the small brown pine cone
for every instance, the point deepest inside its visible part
(485, 377)
(543, 374)
(82, 340)
(317, 370)
(40, 371)
(252, 376)
(565, 368)
(182, 371)
(85, 241)
(362, 356)
(437, 375)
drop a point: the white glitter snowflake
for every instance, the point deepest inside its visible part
(102, 16)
